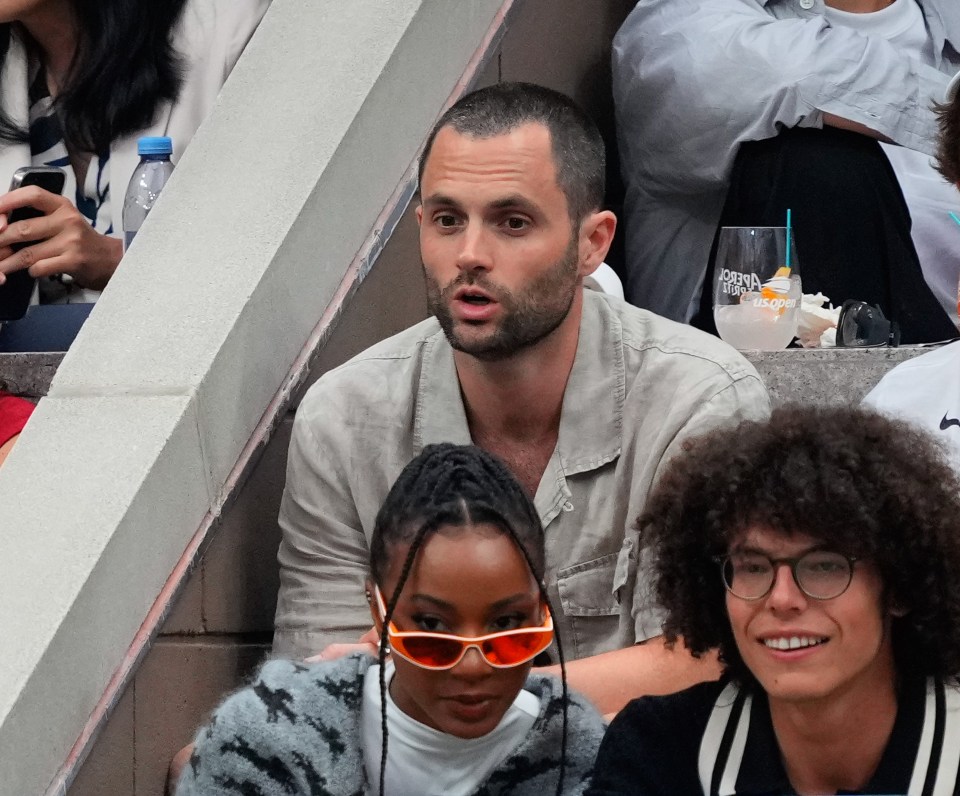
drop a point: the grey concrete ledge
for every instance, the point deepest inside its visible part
(826, 375)
(28, 375)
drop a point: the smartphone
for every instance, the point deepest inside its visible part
(15, 293)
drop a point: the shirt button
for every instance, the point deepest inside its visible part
(568, 506)
(806, 5)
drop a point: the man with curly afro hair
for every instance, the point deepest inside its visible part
(819, 552)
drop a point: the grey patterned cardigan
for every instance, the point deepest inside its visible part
(296, 730)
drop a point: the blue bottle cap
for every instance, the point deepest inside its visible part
(155, 145)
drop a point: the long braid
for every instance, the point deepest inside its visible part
(563, 665)
(415, 546)
(456, 485)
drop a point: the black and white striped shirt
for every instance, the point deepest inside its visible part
(718, 740)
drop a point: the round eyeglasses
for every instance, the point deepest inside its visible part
(820, 574)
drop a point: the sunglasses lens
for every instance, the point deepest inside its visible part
(441, 653)
(518, 648)
(428, 650)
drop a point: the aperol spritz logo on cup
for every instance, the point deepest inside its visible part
(736, 283)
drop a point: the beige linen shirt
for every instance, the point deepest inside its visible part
(639, 385)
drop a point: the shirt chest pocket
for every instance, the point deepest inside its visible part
(587, 589)
(597, 621)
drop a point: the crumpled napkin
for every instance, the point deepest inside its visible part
(817, 326)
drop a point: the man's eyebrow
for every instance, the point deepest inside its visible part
(815, 548)
(440, 200)
(515, 201)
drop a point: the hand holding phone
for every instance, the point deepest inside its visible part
(15, 293)
(63, 240)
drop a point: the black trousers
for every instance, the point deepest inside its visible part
(851, 224)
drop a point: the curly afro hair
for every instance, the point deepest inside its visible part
(864, 484)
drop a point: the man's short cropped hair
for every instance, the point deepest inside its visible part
(865, 485)
(948, 146)
(578, 149)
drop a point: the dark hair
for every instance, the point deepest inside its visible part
(578, 150)
(124, 67)
(865, 484)
(948, 145)
(455, 485)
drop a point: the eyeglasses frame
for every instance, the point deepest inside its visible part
(793, 562)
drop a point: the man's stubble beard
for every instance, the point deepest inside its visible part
(526, 319)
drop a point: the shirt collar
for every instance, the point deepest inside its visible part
(439, 412)
(591, 419)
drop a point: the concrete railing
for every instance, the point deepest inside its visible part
(273, 217)
(826, 376)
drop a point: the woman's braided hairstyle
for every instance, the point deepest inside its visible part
(455, 485)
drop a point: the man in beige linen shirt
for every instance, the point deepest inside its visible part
(583, 396)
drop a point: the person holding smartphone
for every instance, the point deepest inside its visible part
(82, 80)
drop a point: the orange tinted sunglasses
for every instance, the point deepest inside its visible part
(502, 650)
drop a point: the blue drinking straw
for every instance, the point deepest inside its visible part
(954, 217)
(789, 215)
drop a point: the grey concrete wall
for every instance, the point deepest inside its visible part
(837, 376)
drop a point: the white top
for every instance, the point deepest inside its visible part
(900, 23)
(929, 196)
(422, 761)
(925, 390)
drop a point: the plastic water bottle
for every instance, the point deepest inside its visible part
(146, 183)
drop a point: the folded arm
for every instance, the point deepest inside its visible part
(711, 74)
(323, 552)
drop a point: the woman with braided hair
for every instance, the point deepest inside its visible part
(450, 707)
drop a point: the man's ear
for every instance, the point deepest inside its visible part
(596, 235)
(419, 215)
(372, 604)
